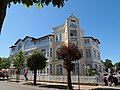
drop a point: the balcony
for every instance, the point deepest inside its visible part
(73, 38)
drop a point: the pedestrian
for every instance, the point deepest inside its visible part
(25, 75)
(105, 81)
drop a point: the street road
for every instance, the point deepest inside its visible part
(4, 85)
(14, 86)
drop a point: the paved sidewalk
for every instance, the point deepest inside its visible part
(61, 86)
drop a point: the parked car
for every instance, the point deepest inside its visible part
(4, 74)
(118, 77)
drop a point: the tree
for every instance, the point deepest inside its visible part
(69, 53)
(108, 64)
(36, 61)
(28, 3)
(19, 63)
(5, 63)
(117, 64)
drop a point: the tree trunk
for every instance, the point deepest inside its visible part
(17, 75)
(35, 74)
(3, 7)
(69, 86)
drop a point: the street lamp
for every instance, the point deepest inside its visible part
(115, 69)
(78, 76)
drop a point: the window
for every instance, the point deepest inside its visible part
(72, 20)
(19, 46)
(58, 49)
(73, 33)
(50, 52)
(98, 56)
(13, 49)
(44, 71)
(27, 44)
(47, 70)
(36, 42)
(96, 66)
(43, 52)
(47, 54)
(47, 40)
(90, 66)
(100, 67)
(39, 41)
(75, 71)
(56, 38)
(94, 53)
(59, 69)
(60, 37)
(51, 39)
(87, 41)
(88, 53)
(50, 68)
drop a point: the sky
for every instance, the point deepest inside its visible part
(98, 18)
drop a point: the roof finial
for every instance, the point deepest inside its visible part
(72, 14)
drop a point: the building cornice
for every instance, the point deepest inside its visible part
(96, 40)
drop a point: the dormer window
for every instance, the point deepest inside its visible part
(19, 46)
(27, 44)
(36, 42)
(13, 49)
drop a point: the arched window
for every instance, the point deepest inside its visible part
(88, 53)
(57, 38)
(98, 56)
(60, 37)
(59, 69)
(96, 66)
(94, 53)
(43, 52)
(56, 53)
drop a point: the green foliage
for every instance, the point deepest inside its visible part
(58, 3)
(117, 66)
(28, 3)
(19, 61)
(36, 61)
(108, 64)
(4, 63)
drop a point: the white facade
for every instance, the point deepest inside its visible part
(70, 31)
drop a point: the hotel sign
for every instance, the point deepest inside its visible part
(73, 25)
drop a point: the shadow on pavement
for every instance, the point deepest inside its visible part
(4, 79)
(54, 86)
(64, 87)
(105, 89)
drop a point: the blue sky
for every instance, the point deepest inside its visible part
(98, 18)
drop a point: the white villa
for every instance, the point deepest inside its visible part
(70, 31)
